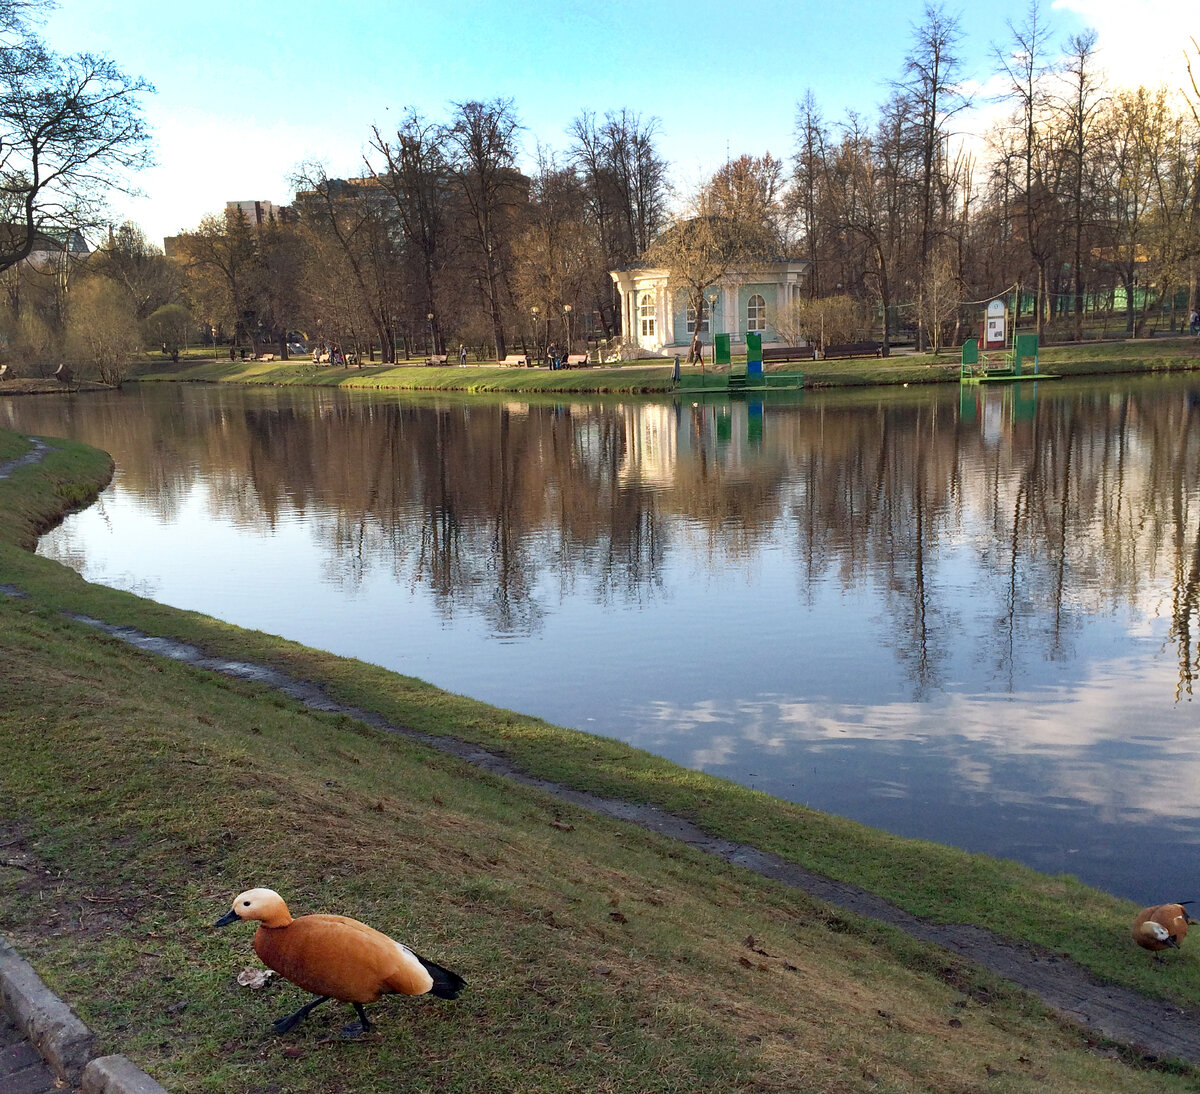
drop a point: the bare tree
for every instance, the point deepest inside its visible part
(352, 214)
(1022, 61)
(808, 173)
(220, 264)
(701, 248)
(855, 181)
(417, 175)
(71, 129)
(484, 139)
(930, 87)
(1193, 103)
(144, 273)
(1080, 109)
(625, 183)
(749, 190)
(556, 257)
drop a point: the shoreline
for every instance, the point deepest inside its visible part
(653, 376)
(646, 376)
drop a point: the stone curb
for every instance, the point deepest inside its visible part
(117, 1075)
(62, 1040)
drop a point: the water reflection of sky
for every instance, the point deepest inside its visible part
(1060, 750)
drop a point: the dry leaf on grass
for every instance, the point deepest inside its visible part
(254, 978)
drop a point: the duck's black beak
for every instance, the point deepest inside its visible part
(226, 919)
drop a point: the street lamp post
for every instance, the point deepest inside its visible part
(432, 340)
(567, 313)
(535, 310)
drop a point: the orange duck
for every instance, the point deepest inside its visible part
(1162, 926)
(336, 958)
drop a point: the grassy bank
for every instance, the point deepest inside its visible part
(137, 796)
(654, 375)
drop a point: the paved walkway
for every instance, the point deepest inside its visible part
(22, 1070)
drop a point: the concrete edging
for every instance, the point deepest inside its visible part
(61, 1039)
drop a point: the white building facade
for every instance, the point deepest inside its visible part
(656, 318)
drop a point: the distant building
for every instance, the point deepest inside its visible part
(259, 213)
(50, 244)
(369, 189)
(656, 317)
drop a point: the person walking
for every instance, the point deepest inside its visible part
(462, 354)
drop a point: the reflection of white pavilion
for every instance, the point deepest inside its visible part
(651, 445)
(658, 437)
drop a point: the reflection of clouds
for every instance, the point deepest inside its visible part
(1053, 749)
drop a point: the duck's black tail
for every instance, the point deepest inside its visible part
(446, 984)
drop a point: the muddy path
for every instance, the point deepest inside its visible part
(1150, 1027)
(34, 455)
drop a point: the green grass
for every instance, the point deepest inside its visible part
(599, 957)
(626, 379)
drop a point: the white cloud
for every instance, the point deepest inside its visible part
(1140, 42)
(205, 160)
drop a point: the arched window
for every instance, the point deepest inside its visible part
(691, 318)
(646, 314)
(756, 313)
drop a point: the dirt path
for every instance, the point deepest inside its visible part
(34, 455)
(1152, 1027)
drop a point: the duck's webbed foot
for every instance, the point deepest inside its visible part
(282, 1025)
(357, 1029)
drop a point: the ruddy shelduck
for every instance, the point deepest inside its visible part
(1162, 926)
(335, 957)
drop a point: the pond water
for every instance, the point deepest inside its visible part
(964, 617)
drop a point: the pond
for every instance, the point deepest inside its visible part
(968, 617)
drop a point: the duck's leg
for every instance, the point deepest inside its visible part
(361, 1026)
(282, 1025)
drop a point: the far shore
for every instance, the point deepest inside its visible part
(652, 376)
(645, 376)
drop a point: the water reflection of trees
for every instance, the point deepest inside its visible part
(1086, 505)
(1087, 502)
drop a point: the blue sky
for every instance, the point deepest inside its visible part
(248, 90)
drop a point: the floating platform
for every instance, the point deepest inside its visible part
(1006, 376)
(738, 383)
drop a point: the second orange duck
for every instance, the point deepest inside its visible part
(1161, 926)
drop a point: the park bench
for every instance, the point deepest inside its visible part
(266, 357)
(576, 360)
(853, 349)
(787, 353)
(437, 359)
(63, 374)
(517, 360)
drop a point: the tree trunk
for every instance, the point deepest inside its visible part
(885, 300)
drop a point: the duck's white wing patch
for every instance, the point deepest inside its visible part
(412, 964)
